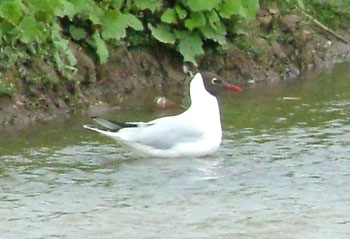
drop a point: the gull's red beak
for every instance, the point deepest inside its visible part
(231, 87)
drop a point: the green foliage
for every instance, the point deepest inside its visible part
(200, 5)
(101, 48)
(114, 24)
(185, 25)
(151, 5)
(197, 20)
(6, 88)
(169, 16)
(229, 8)
(190, 23)
(181, 13)
(162, 33)
(190, 46)
(11, 11)
(301, 4)
(77, 33)
(334, 14)
(29, 29)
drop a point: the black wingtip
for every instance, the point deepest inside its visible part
(112, 125)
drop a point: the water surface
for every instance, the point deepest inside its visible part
(283, 171)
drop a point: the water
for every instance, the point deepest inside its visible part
(283, 171)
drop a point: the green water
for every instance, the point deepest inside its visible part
(283, 171)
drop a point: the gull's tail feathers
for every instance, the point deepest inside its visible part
(109, 133)
(115, 125)
(112, 126)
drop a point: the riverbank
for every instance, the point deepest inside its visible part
(278, 45)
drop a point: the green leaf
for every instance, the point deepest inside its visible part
(44, 10)
(202, 5)
(89, 8)
(211, 33)
(182, 14)
(169, 16)
(249, 9)
(301, 4)
(101, 48)
(197, 20)
(77, 33)
(66, 9)
(58, 59)
(71, 58)
(115, 23)
(5, 27)
(96, 15)
(28, 29)
(45, 31)
(117, 4)
(162, 33)
(244, 8)
(82, 5)
(113, 26)
(152, 5)
(229, 8)
(132, 21)
(47, 6)
(191, 46)
(6, 87)
(180, 34)
(55, 31)
(61, 43)
(213, 18)
(11, 11)
(215, 23)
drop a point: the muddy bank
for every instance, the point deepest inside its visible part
(274, 47)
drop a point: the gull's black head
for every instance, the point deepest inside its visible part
(214, 84)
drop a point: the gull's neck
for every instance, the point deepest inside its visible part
(201, 99)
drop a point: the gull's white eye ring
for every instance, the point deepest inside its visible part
(214, 81)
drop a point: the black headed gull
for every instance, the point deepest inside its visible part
(193, 133)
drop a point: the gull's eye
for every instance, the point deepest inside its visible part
(215, 80)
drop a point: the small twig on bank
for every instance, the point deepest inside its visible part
(340, 37)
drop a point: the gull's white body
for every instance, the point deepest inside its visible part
(196, 132)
